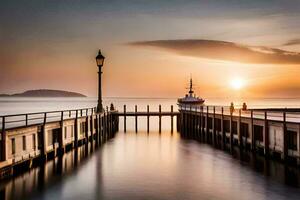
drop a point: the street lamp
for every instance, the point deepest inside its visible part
(99, 60)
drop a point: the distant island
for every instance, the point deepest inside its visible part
(44, 93)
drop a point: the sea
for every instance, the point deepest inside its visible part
(135, 166)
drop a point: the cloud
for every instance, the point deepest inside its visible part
(222, 50)
(292, 42)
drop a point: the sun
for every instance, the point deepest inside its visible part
(237, 83)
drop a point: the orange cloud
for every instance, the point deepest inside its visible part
(222, 50)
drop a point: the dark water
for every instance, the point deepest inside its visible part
(154, 166)
(141, 166)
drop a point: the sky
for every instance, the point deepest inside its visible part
(244, 49)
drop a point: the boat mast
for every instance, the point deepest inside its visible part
(191, 87)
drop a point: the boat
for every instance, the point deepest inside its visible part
(190, 99)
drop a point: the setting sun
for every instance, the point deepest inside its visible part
(237, 83)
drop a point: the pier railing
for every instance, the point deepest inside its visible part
(35, 118)
(274, 114)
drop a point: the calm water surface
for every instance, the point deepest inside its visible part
(153, 166)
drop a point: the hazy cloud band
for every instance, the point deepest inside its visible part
(222, 50)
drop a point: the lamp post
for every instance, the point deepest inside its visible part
(99, 60)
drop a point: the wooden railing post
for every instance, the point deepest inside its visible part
(3, 140)
(44, 144)
(92, 127)
(62, 133)
(124, 118)
(285, 138)
(159, 117)
(26, 120)
(202, 123)
(148, 116)
(100, 127)
(136, 119)
(45, 118)
(222, 128)
(171, 118)
(252, 132)
(240, 138)
(266, 138)
(76, 130)
(214, 126)
(206, 124)
(231, 130)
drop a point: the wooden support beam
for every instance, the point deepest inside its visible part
(124, 118)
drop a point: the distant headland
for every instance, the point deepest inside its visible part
(44, 93)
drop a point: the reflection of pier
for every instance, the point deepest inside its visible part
(26, 137)
(273, 132)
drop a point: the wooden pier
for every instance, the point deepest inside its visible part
(31, 136)
(28, 137)
(271, 132)
(147, 114)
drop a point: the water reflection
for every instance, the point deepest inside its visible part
(155, 166)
